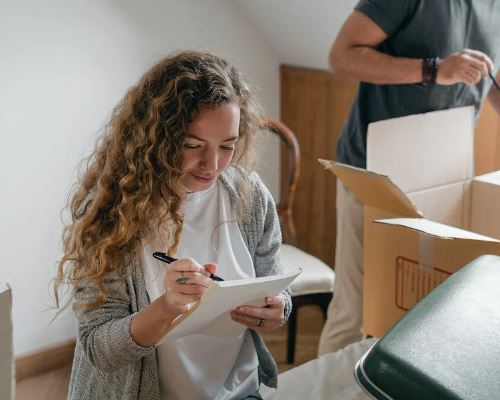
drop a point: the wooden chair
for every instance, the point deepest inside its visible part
(315, 284)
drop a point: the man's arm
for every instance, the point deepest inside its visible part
(354, 54)
(494, 95)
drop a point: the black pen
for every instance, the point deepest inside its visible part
(493, 79)
(167, 259)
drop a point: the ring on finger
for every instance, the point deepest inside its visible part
(261, 323)
(182, 279)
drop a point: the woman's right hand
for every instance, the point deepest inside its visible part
(181, 297)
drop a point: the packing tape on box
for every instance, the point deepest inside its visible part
(425, 251)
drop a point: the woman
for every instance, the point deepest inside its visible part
(173, 171)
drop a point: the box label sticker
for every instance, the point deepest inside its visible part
(414, 281)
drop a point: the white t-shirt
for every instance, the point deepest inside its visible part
(201, 366)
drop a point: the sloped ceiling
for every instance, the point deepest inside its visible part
(300, 31)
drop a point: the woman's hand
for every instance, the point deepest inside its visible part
(185, 282)
(262, 319)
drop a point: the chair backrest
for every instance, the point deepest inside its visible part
(289, 185)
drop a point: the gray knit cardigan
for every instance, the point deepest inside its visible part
(108, 364)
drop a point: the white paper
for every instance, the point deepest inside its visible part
(212, 316)
(7, 384)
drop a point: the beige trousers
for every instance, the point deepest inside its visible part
(343, 324)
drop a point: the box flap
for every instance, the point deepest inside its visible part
(373, 189)
(492, 178)
(436, 229)
(424, 150)
(485, 210)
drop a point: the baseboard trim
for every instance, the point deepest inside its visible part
(45, 360)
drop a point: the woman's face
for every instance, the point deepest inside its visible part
(209, 145)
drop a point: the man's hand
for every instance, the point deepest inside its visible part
(467, 66)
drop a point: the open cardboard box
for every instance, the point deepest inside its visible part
(426, 221)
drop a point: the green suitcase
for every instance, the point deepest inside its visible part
(446, 347)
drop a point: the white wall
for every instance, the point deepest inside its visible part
(64, 65)
(300, 31)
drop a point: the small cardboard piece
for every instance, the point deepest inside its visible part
(7, 380)
(406, 255)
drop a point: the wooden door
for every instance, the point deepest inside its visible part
(315, 105)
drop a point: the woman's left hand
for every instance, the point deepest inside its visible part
(262, 319)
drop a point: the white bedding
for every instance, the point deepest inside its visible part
(329, 377)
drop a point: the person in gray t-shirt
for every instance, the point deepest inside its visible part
(410, 56)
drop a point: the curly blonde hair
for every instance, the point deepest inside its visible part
(131, 186)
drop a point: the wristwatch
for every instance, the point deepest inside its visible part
(429, 70)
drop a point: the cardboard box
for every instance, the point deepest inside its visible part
(418, 223)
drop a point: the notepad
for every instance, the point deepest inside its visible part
(7, 385)
(212, 317)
